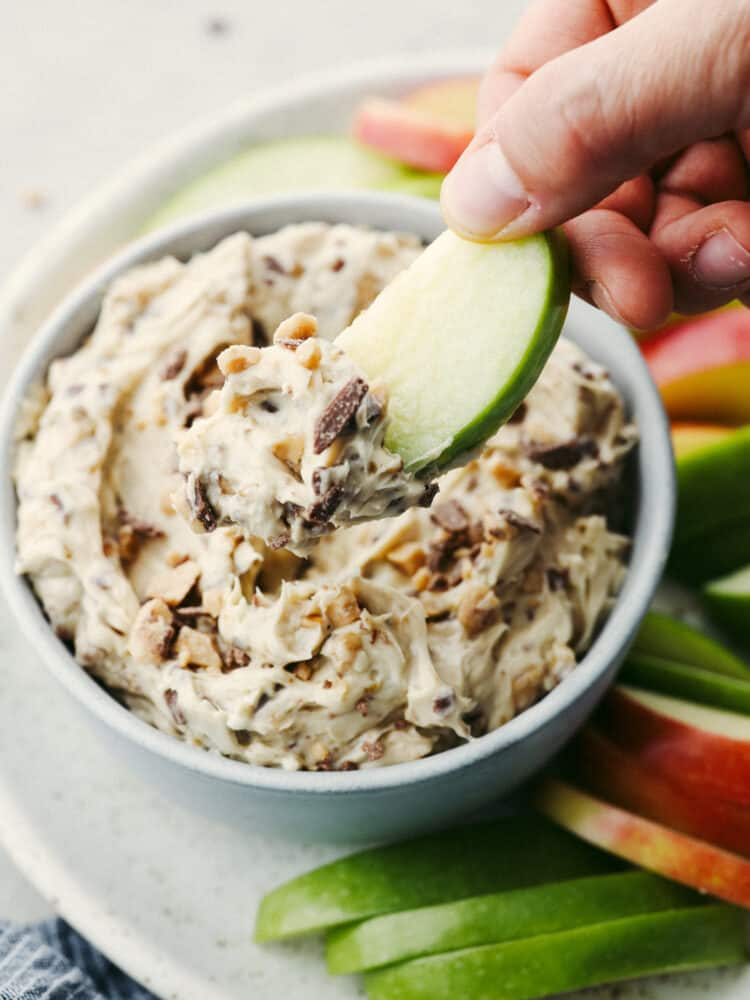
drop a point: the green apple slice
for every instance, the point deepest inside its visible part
(506, 854)
(676, 940)
(728, 602)
(683, 681)
(459, 339)
(669, 638)
(500, 917)
(304, 163)
(712, 529)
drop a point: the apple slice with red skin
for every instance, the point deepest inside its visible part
(702, 367)
(651, 845)
(410, 135)
(428, 128)
(690, 437)
(605, 769)
(706, 749)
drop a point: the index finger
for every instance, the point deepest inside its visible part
(548, 29)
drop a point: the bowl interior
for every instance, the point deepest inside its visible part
(600, 337)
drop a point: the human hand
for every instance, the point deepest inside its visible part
(629, 122)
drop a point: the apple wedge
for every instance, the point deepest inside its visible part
(676, 940)
(727, 600)
(702, 367)
(705, 749)
(670, 638)
(712, 529)
(687, 438)
(505, 916)
(655, 847)
(428, 128)
(302, 163)
(458, 340)
(682, 681)
(506, 854)
(625, 779)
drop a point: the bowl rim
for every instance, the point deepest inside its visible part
(655, 498)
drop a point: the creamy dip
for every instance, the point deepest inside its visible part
(393, 638)
(293, 447)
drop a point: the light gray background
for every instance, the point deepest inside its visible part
(89, 84)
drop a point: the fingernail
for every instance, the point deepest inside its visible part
(720, 261)
(482, 194)
(602, 299)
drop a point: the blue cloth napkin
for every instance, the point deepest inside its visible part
(49, 961)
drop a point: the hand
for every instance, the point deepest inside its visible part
(625, 121)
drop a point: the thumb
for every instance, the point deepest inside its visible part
(601, 114)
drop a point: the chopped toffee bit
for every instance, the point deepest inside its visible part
(519, 414)
(140, 527)
(451, 516)
(338, 413)
(321, 511)
(443, 704)
(431, 490)
(520, 522)
(562, 456)
(273, 264)
(170, 697)
(202, 508)
(363, 706)
(233, 658)
(557, 579)
(349, 765)
(152, 633)
(174, 365)
(337, 264)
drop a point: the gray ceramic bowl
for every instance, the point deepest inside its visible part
(405, 798)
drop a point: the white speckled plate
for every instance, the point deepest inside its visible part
(168, 895)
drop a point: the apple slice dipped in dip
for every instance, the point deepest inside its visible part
(307, 436)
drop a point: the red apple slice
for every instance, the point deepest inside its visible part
(428, 128)
(689, 437)
(707, 749)
(655, 847)
(410, 133)
(454, 100)
(624, 779)
(702, 367)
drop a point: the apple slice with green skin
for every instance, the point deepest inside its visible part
(506, 916)
(306, 163)
(507, 854)
(699, 748)
(727, 600)
(627, 780)
(458, 340)
(712, 529)
(683, 681)
(651, 845)
(670, 638)
(673, 941)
